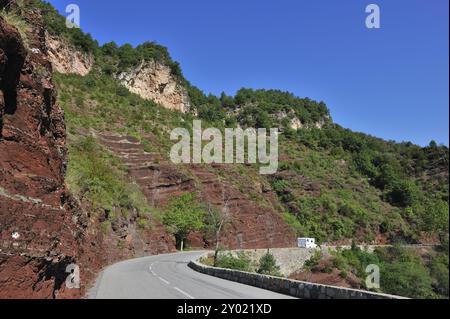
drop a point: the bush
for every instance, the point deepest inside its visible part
(406, 279)
(403, 193)
(402, 271)
(313, 262)
(228, 261)
(268, 265)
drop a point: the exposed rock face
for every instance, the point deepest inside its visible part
(12, 58)
(296, 124)
(125, 239)
(154, 81)
(66, 59)
(42, 228)
(253, 225)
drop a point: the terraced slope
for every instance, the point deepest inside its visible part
(253, 225)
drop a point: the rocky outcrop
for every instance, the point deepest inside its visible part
(296, 124)
(12, 58)
(154, 81)
(42, 230)
(67, 60)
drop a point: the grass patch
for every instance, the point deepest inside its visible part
(17, 22)
(96, 175)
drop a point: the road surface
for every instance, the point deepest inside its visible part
(169, 277)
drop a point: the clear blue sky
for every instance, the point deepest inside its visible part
(391, 82)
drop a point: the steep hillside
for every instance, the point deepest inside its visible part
(137, 131)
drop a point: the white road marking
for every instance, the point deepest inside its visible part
(184, 293)
(164, 281)
(151, 270)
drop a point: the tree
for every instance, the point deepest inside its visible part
(215, 222)
(268, 265)
(110, 48)
(184, 215)
(227, 101)
(402, 192)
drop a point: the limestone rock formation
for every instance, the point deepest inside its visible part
(65, 59)
(153, 80)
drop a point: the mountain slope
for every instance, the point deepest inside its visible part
(113, 185)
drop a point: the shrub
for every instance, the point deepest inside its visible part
(268, 265)
(406, 279)
(403, 193)
(313, 262)
(240, 262)
(144, 223)
(402, 271)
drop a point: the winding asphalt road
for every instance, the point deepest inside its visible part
(169, 277)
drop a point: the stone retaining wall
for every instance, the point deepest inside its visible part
(290, 260)
(299, 289)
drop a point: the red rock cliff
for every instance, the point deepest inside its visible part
(41, 229)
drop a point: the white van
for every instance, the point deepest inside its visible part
(307, 243)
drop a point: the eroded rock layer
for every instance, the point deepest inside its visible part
(42, 230)
(252, 225)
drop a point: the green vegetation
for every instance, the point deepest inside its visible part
(99, 102)
(268, 265)
(56, 25)
(313, 262)
(240, 262)
(184, 215)
(258, 108)
(403, 271)
(110, 58)
(114, 59)
(359, 184)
